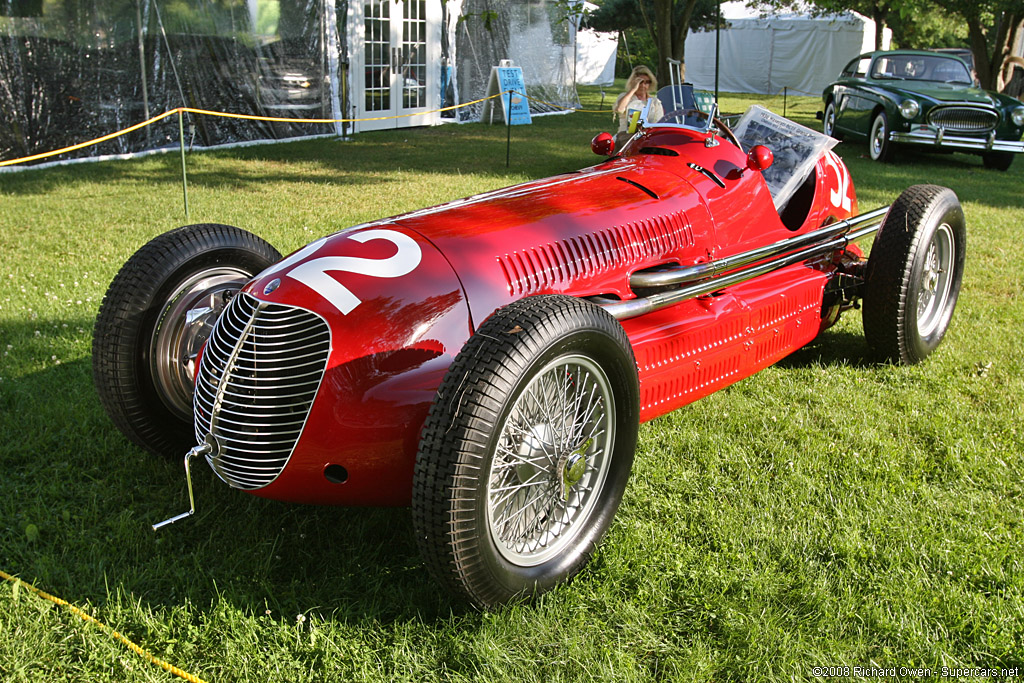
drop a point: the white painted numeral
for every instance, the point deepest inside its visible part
(314, 273)
(840, 195)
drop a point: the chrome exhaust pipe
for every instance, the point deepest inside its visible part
(704, 278)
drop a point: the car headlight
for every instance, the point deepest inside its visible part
(1017, 116)
(909, 108)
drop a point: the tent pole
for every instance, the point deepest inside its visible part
(718, 36)
(184, 178)
(142, 67)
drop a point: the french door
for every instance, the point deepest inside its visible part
(397, 53)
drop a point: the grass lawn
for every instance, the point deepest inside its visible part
(830, 511)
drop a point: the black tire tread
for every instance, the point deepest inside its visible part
(888, 288)
(118, 334)
(997, 161)
(465, 412)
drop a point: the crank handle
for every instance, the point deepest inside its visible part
(201, 449)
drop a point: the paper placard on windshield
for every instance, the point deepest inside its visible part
(796, 149)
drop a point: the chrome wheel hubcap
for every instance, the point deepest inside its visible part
(551, 461)
(936, 280)
(184, 326)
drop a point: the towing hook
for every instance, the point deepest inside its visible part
(201, 449)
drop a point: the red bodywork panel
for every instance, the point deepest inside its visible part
(425, 280)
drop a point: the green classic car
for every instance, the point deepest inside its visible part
(927, 99)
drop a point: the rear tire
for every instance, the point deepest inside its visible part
(914, 274)
(997, 161)
(526, 451)
(155, 316)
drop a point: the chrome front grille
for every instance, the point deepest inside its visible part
(963, 119)
(259, 375)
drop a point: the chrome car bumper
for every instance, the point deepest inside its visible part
(937, 138)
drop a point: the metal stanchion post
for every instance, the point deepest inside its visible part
(508, 129)
(184, 178)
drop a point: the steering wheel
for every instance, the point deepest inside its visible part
(723, 129)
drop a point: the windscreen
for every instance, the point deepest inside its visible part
(915, 67)
(678, 105)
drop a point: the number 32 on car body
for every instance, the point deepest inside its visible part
(840, 194)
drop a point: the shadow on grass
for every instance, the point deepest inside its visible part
(834, 348)
(78, 500)
(553, 145)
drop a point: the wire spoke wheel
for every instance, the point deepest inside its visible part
(552, 460)
(526, 451)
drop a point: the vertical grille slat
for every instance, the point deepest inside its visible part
(964, 119)
(257, 380)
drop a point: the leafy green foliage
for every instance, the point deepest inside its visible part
(829, 511)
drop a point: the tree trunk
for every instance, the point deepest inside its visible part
(663, 39)
(879, 16)
(681, 29)
(979, 49)
(1013, 23)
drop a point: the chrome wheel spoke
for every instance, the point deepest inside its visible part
(551, 461)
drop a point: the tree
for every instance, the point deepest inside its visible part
(993, 27)
(878, 10)
(667, 22)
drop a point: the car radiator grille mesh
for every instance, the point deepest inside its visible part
(563, 261)
(963, 119)
(258, 377)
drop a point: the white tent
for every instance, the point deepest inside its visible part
(764, 55)
(595, 54)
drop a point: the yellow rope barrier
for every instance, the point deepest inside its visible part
(249, 117)
(97, 141)
(92, 620)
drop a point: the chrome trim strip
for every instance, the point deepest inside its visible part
(957, 141)
(835, 237)
(686, 274)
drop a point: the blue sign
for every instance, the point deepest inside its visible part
(515, 104)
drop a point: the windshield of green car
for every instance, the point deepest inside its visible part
(916, 67)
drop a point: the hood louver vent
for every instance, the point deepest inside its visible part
(558, 263)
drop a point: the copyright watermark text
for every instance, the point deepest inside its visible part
(912, 672)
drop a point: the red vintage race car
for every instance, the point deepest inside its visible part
(488, 361)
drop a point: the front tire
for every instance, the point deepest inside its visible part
(879, 145)
(156, 315)
(914, 274)
(828, 124)
(997, 161)
(526, 451)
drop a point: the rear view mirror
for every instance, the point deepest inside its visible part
(603, 144)
(759, 158)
